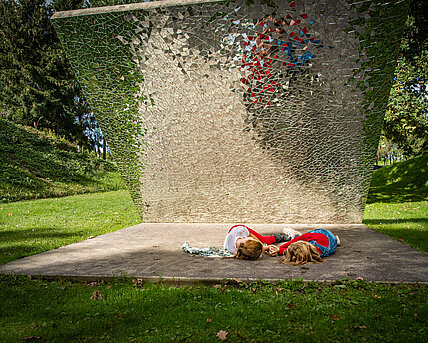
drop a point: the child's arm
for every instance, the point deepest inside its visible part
(266, 248)
(264, 239)
(281, 250)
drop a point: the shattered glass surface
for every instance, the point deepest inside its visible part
(240, 111)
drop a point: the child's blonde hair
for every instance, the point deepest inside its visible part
(250, 250)
(301, 252)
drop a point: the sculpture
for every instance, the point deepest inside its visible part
(239, 111)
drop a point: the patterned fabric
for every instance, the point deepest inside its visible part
(206, 252)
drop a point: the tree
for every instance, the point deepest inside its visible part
(38, 86)
(406, 119)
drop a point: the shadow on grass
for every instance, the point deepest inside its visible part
(401, 182)
(38, 233)
(385, 195)
(23, 243)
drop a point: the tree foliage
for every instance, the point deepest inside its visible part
(406, 120)
(38, 86)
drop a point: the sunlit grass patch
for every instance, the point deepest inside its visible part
(400, 182)
(406, 222)
(31, 227)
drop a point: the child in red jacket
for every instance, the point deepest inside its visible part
(247, 244)
(309, 247)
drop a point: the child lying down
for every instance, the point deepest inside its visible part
(244, 243)
(310, 247)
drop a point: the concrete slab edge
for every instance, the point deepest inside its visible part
(184, 281)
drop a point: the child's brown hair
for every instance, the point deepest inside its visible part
(301, 252)
(250, 250)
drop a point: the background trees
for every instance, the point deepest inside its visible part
(38, 87)
(406, 119)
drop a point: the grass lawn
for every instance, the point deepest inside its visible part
(400, 182)
(294, 311)
(36, 164)
(406, 222)
(31, 227)
(397, 204)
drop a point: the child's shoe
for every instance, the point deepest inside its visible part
(338, 240)
(291, 233)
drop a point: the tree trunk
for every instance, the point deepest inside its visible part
(104, 149)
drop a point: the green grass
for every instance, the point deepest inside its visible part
(397, 204)
(35, 164)
(31, 227)
(406, 222)
(349, 311)
(400, 182)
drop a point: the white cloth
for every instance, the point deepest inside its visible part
(232, 236)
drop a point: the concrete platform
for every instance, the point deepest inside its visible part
(153, 252)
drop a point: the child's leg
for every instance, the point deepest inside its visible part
(287, 235)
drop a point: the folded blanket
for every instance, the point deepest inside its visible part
(206, 252)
